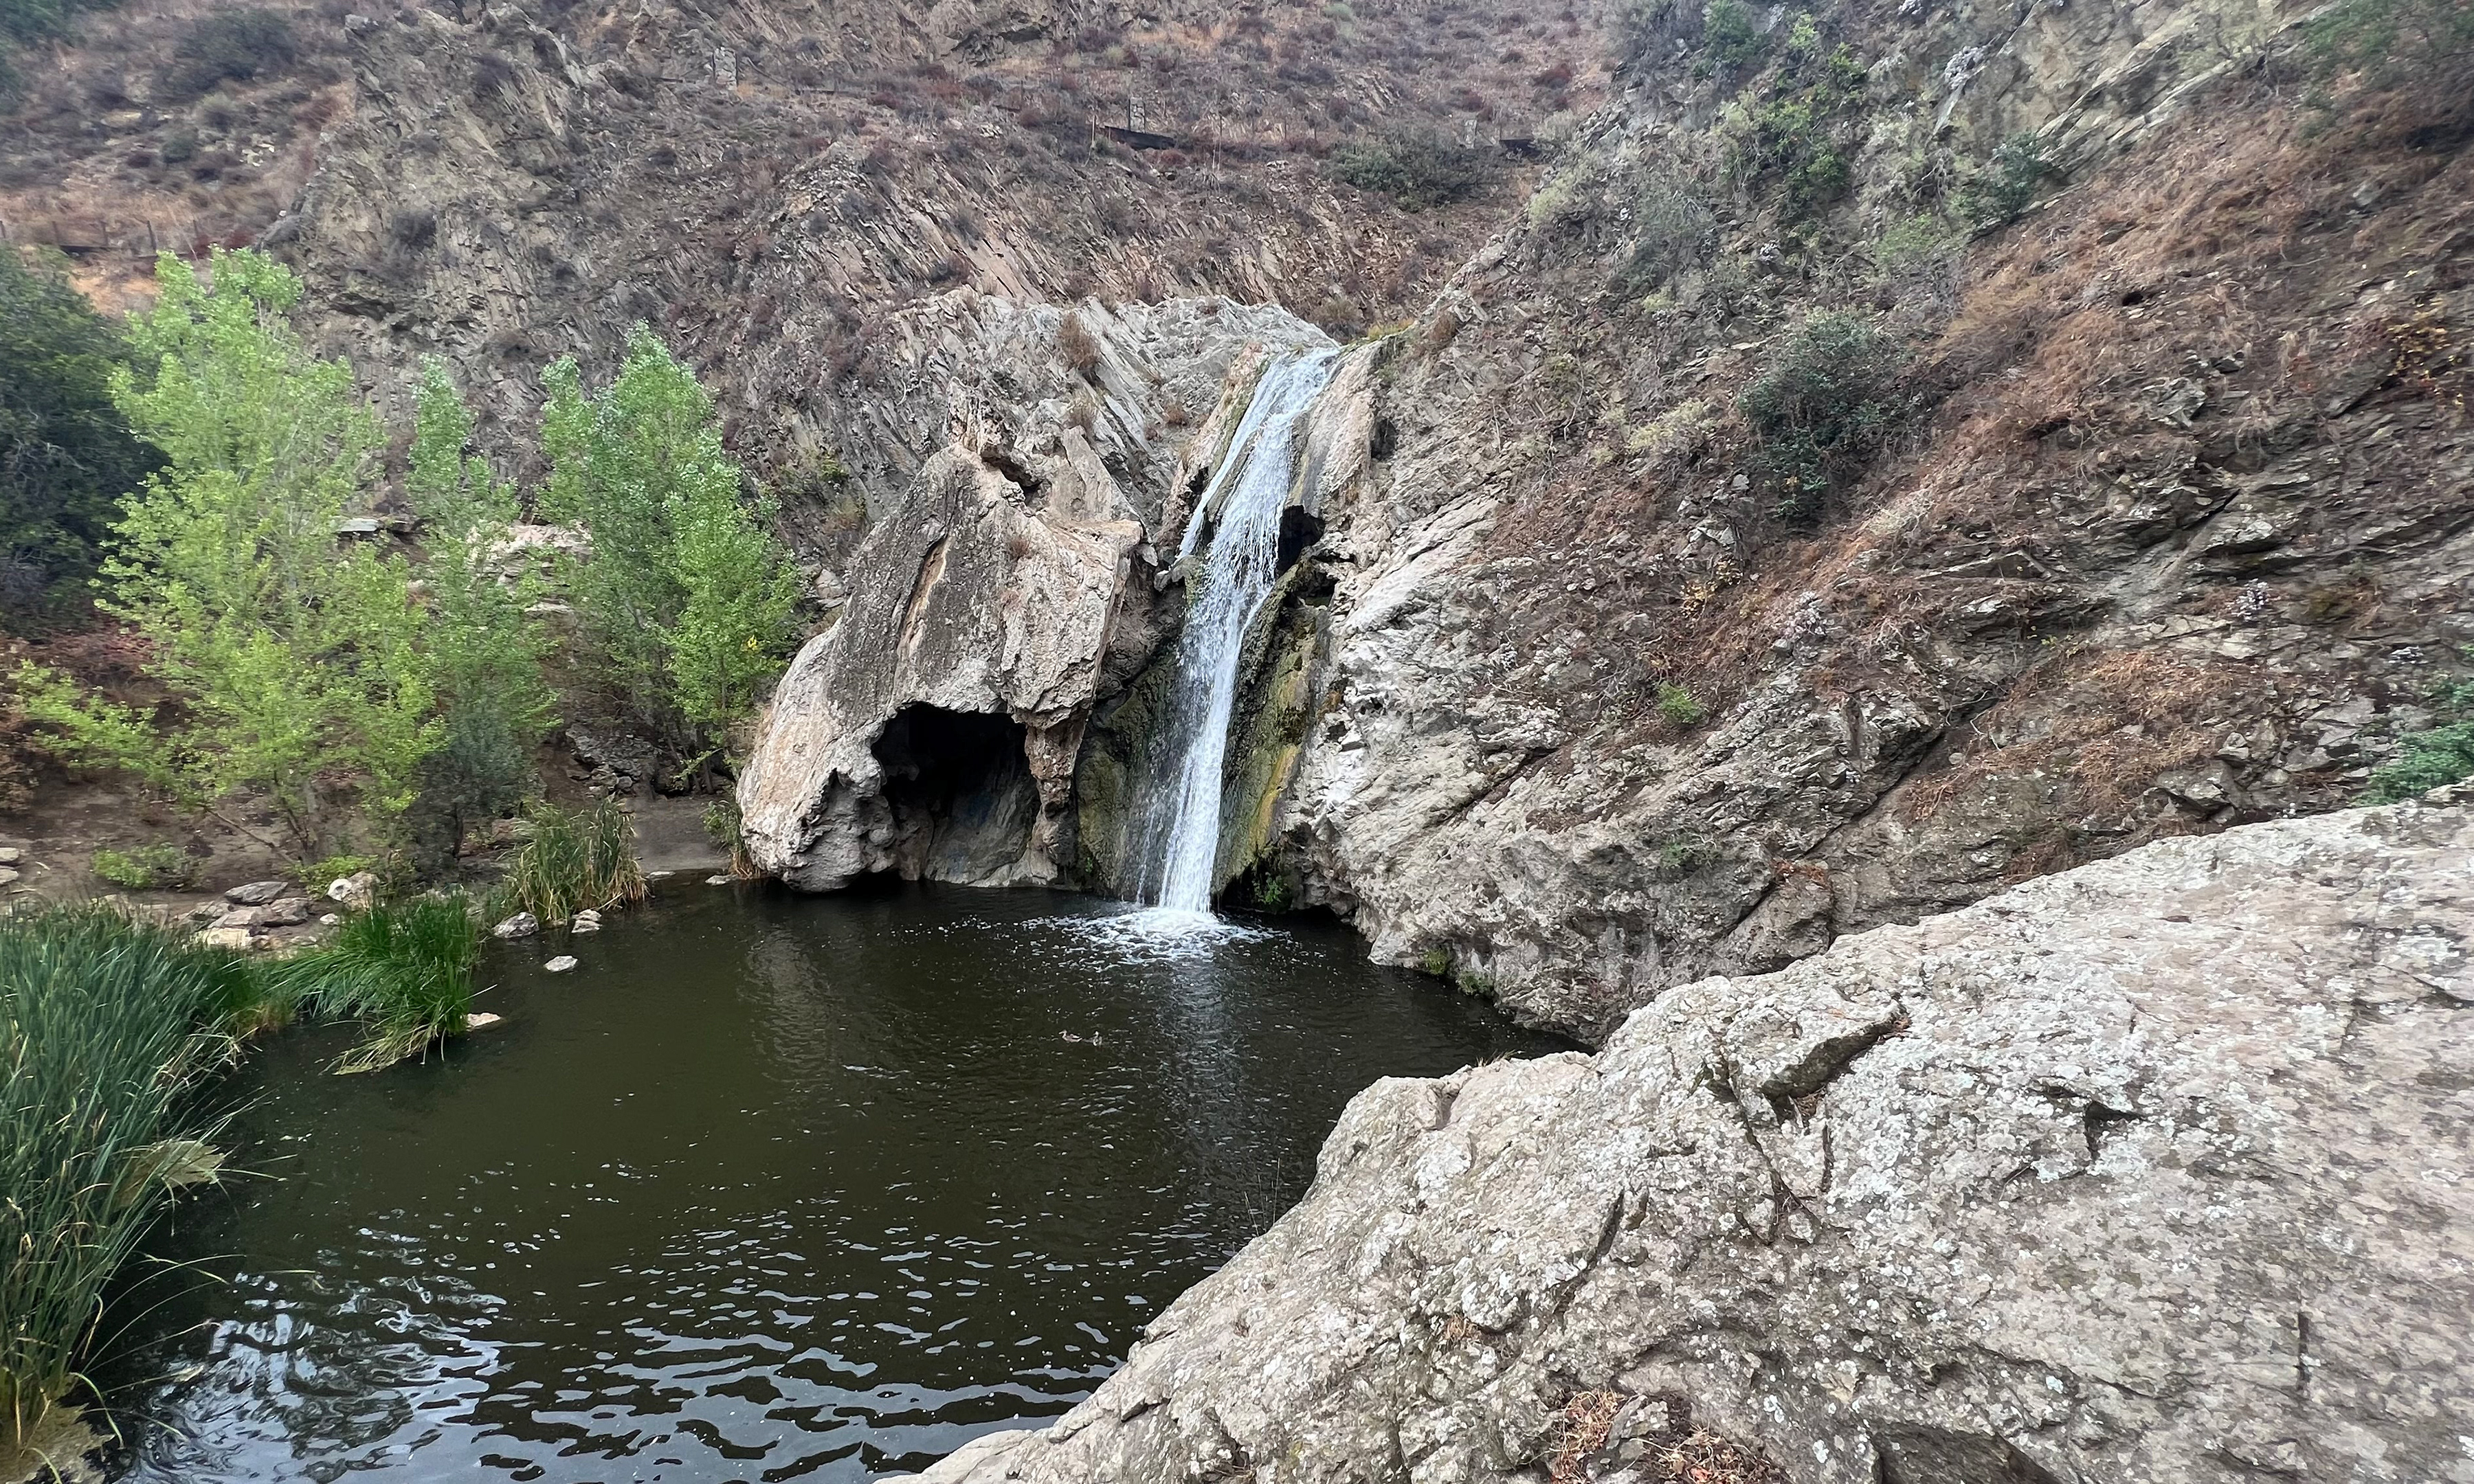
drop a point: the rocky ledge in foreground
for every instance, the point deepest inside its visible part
(2159, 1169)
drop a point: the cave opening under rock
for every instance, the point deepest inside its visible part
(959, 787)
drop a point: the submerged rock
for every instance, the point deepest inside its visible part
(524, 925)
(2150, 1170)
(561, 963)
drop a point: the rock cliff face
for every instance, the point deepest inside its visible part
(2155, 1169)
(2164, 526)
(933, 728)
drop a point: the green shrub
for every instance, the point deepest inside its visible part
(1821, 408)
(66, 454)
(1681, 855)
(2434, 758)
(1419, 172)
(485, 652)
(149, 868)
(569, 861)
(2006, 186)
(1795, 133)
(404, 969)
(102, 1065)
(1677, 230)
(1679, 708)
(230, 45)
(1732, 37)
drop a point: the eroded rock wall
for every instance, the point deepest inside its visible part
(2150, 1170)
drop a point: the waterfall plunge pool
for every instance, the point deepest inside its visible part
(772, 1188)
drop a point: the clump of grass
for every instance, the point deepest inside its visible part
(723, 824)
(149, 868)
(405, 968)
(569, 861)
(106, 1036)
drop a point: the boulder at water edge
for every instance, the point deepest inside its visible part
(2161, 1169)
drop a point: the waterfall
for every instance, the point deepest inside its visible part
(1180, 823)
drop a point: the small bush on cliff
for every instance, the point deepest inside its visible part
(2006, 186)
(1821, 408)
(1796, 132)
(2393, 41)
(233, 45)
(1417, 171)
(1680, 709)
(1677, 230)
(1732, 37)
(2431, 759)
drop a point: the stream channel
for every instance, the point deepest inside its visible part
(771, 1188)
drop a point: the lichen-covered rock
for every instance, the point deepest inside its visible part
(2162, 1169)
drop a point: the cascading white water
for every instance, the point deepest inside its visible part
(1179, 824)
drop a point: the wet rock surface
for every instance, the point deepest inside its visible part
(2153, 1169)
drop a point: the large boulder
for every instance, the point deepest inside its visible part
(932, 730)
(2162, 1169)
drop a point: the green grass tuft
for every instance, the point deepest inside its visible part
(403, 969)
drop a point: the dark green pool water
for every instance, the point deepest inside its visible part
(772, 1188)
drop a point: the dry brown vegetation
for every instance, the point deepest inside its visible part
(1675, 1450)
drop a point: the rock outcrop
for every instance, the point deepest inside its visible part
(2161, 1168)
(932, 731)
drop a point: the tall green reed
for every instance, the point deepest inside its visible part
(568, 861)
(109, 1029)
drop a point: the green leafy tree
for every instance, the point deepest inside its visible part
(685, 598)
(485, 653)
(66, 454)
(298, 661)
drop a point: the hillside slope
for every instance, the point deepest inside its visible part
(1751, 557)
